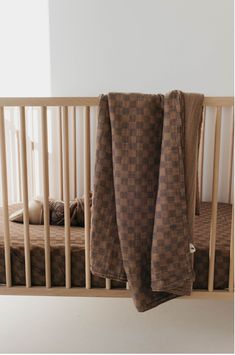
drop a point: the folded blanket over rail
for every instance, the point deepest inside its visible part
(144, 193)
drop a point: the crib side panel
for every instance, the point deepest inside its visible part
(64, 105)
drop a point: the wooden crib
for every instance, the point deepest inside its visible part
(63, 105)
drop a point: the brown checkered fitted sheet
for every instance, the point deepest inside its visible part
(37, 255)
(201, 241)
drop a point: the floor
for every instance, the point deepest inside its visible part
(99, 325)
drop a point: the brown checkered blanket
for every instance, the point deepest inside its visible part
(144, 193)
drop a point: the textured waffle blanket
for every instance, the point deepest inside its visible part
(144, 193)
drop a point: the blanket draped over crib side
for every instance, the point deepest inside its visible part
(144, 193)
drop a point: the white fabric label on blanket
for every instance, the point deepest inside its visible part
(192, 248)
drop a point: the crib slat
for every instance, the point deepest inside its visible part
(61, 152)
(25, 195)
(18, 156)
(202, 150)
(87, 181)
(46, 196)
(65, 133)
(214, 199)
(108, 284)
(74, 152)
(32, 166)
(231, 263)
(6, 230)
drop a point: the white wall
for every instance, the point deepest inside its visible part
(24, 71)
(25, 52)
(139, 45)
(151, 46)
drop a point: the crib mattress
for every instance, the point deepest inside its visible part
(201, 259)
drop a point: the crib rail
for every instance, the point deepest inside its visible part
(90, 101)
(87, 103)
(49, 101)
